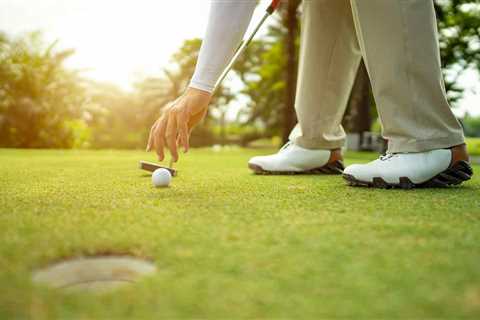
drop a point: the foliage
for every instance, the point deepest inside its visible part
(43, 104)
(119, 119)
(263, 70)
(459, 31)
(114, 118)
(471, 125)
(37, 94)
(154, 93)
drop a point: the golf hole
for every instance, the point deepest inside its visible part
(94, 274)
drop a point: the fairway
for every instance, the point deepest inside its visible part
(227, 243)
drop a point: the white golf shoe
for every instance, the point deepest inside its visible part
(436, 168)
(292, 159)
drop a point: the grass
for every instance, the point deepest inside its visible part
(229, 244)
(473, 145)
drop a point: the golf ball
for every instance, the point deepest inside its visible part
(161, 177)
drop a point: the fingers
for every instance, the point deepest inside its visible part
(171, 134)
(173, 129)
(159, 137)
(151, 136)
(183, 132)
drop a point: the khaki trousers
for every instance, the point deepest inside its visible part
(398, 42)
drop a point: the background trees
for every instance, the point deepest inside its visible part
(459, 36)
(44, 104)
(38, 96)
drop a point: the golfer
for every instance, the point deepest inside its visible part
(398, 43)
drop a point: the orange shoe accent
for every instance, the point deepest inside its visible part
(335, 155)
(459, 153)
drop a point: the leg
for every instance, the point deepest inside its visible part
(329, 59)
(399, 44)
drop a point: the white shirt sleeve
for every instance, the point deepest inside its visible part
(228, 22)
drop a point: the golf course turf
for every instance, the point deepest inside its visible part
(229, 244)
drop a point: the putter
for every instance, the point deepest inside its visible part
(150, 166)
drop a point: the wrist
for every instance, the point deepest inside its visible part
(199, 94)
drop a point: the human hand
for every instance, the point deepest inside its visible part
(178, 118)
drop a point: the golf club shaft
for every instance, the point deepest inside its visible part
(243, 45)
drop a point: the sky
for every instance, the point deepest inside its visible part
(115, 40)
(121, 41)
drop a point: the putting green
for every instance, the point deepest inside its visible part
(230, 244)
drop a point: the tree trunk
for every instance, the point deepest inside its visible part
(289, 116)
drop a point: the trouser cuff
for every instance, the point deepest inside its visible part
(399, 145)
(317, 144)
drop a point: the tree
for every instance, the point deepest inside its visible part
(114, 117)
(38, 96)
(155, 93)
(268, 70)
(471, 125)
(459, 36)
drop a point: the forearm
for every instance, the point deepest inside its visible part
(226, 27)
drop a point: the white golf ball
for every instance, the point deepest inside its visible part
(161, 177)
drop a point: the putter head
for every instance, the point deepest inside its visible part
(150, 166)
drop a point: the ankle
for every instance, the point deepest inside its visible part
(459, 153)
(335, 155)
